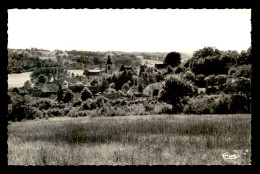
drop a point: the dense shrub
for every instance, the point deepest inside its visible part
(89, 105)
(166, 109)
(221, 79)
(100, 101)
(149, 107)
(238, 85)
(239, 104)
(112, 85)
(78, 87)
(16, 90)
(85, 94)
(125, 87)
(20, 109)
(241, 71)
(66, 110)
(217, 104)
(181, 88)
(44, 104)
(77, 103)
(54, 112)
(73, 112)
(190, 76)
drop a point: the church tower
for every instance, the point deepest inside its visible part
(109, 66)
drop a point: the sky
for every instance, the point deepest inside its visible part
(151, 30)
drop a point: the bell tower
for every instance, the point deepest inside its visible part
(109, 66)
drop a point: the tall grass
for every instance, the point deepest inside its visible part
(174, 139)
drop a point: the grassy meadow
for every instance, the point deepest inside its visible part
(131, 140)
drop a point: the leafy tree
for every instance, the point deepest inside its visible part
(240, 71)
(190, 76)
(78, 87)
(60, 93)
(173, 59)
(94, 82)
(170, 70)
(142, 69)
(85, 94)
(68, 96)
(221, 79)
(104, 84)
(66, 63)
(123, 78)
(86, 72)
(21, 109)
(206, 52)
(42, 78)
(16, 90)
(159, 76)
(77, 103)
(9, 100)
(83, 59)
(174, 90)
(140, 88)
(179, 69)
(27, 84)
(125, 87)
(96, 61)
(244, 57)
(210, 79)
(112, 85)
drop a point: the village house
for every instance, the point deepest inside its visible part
(160, 66)
(128, 68)
(94, 74)
(152, 90)
(44, 90)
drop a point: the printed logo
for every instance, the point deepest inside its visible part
(233, 157)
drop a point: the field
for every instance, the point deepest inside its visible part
(150, 62)
(53, 57)
(18, 79)
(132, 140)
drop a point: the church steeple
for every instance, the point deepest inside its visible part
(109, 66)
(109, 60)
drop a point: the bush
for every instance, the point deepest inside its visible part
(85, 94)
(125, 87)
(44, 104)
(217, 104)
(199, 105)
(66, 111)
(190, 76)
(149, 107)
(68, 96)
(73, 113)
(112, 85)
(221, 79)
(89, 104)
(175, 89)
(77, 103)
(166, 109)
(54, 112)
(79, 86)
(239, 104)
(100, 101)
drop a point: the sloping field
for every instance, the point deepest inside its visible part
(133, 140)
(18, 79)
(49, 57)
